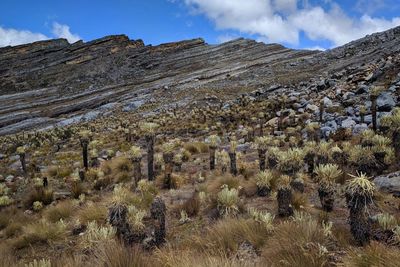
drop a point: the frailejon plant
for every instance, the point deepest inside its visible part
(135, 155)
(262, 217)
(284, 197)
(392, 123)
(21, 151)
(223, 160)
(263, 182)
(213, 143)
(168, 156)
(232, 156)
(261, 144)
(326, 175)
(359, 193)
(228, 201)
(84, 138)
(149, 130)
(291, 161)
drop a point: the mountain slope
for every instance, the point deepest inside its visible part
(54, 82)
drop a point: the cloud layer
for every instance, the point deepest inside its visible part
(283, 20)
(9, 36)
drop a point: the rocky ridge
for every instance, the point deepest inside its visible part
(56, 83)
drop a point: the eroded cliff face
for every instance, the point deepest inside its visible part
(57, 83)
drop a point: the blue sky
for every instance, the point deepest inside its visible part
(294, 23)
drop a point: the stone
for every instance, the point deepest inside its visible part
(348, 95)
(332, 124)
(326, 131)
(327, 102)
(312, 108)
(389, 183)
(385, 102)
(10, 178)
(350, 111)
(359, 128)
(348, 123)
(362, 89)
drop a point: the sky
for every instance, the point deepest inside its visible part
(305, 24)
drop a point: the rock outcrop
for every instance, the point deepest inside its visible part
(56, 83)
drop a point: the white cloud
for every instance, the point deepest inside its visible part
(9, 36)
(284, 20)
(369, 6)
(63, 31)
(16, 37)
(226, 38)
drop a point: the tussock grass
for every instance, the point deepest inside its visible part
(227, 234)
(375, 254)
(93, 212)
(297, 243)
(63, 210)
(42, 232)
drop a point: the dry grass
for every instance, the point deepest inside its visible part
(170, 257)
(300, 201)
(214, 186)
(226, 236)
(192, 205)
(41, 232)
(13, 229)
(375, 254)
(196, 147)
(39, 194)
(93, 212)
(62, 210)
(114, 254)
(297, 243)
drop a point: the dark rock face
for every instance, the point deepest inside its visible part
(57, 83)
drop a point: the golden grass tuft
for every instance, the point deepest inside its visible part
(226, 235)
(93, 212)
(297, 243)
(63, 210)
(375, 254)
(42, 232)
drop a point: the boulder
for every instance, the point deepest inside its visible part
(389, 183)
(348, 123)
(359, 128)
(312, 108)
(385, 102)
(327, 102)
